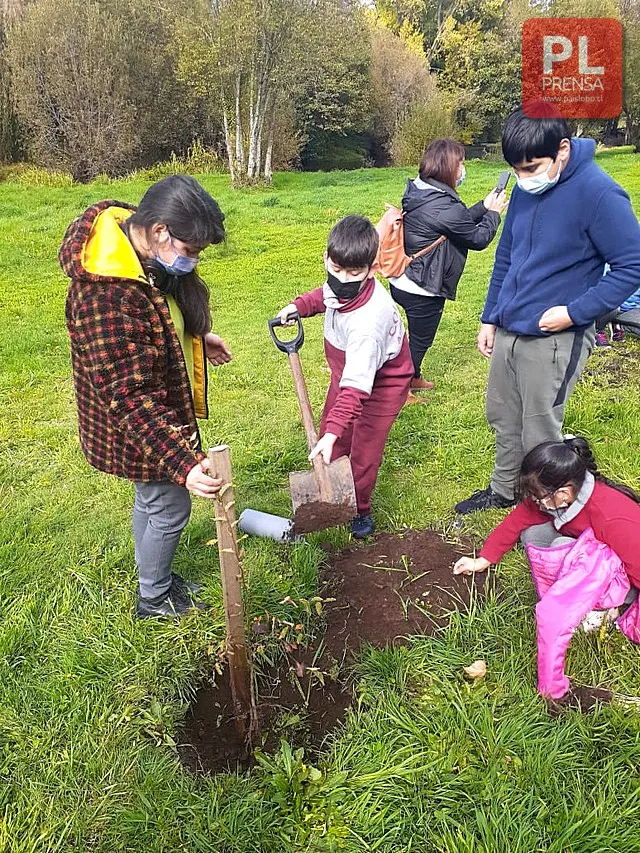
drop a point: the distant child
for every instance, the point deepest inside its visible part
(582, 536)
(624, 318)
(602, 333)
(368, 354)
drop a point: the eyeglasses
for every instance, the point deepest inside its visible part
(541, 501)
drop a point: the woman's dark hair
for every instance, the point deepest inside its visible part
(353, 243)
(525, 136)
(554, 464)
(191, 216)
(441, 161)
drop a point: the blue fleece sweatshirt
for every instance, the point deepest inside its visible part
(554, 246)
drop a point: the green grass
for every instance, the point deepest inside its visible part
(90, 698)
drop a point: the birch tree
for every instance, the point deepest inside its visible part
(253, 42)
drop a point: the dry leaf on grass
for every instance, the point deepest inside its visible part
(478, 669)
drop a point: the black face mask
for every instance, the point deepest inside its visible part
(344, 289)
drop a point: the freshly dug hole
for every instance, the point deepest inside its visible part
(396, 586)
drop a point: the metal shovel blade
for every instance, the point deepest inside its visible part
(324, 502)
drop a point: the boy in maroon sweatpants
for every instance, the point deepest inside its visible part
(368, 353)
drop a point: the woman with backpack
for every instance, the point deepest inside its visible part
(432, 210)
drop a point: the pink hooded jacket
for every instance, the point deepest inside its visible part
(572, 579)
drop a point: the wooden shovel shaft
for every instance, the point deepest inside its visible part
(319, 466)
(303, 399)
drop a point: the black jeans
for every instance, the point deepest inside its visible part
(610, 317)
(423, 318)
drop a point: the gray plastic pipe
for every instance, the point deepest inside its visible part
(256, 523)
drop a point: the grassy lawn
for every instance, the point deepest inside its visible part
(90, 699)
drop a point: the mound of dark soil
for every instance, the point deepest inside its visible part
(395, 587)
(385, 591)
(580, 698)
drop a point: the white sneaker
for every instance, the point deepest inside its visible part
(595, 619)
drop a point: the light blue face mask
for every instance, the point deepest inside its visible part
(180, 265)
(538, 184)
(462, 176)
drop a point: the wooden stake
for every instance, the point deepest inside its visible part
(240, 672)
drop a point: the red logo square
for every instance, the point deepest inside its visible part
(574, 64)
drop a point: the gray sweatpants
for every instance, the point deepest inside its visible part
(530, 381)
(544, 536)
(160, 514)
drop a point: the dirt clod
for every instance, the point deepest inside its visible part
(320, 515)
(580, 698)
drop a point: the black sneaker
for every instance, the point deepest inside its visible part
(179, 601)
(362, 526)
(186, 592)
(190, 587)
(483, 499)
(172, 605)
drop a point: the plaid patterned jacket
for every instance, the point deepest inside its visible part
(135, 409)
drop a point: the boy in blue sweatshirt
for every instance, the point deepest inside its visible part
(566, 219)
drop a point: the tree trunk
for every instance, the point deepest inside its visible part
(251, 157)
(259, 146)
(227, 135)
(260, 85)
(251, 144)
(239, 134)
(268, 173)
(253, 162)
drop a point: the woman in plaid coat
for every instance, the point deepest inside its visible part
(138, 318)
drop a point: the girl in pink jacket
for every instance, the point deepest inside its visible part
(581, 532)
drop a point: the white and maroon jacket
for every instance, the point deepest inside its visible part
(366, 349)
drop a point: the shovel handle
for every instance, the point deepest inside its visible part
(303, 399)
(292, 346)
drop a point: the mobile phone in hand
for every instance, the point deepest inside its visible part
(503, 180)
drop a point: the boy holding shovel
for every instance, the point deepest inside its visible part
(368, 354)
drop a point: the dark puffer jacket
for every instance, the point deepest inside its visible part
(431, 209)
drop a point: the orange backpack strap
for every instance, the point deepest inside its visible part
(435, 243)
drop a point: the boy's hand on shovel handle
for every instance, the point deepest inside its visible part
(285, 313)
(467, 565)
(324, 447)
